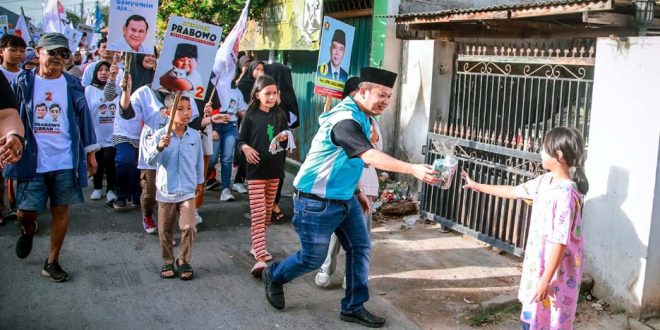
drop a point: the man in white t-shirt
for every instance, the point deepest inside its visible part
(12, 49)
(60, 148)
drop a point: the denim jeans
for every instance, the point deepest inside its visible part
(224, 149)
(127, 173)
(525, 326)
(315, 221)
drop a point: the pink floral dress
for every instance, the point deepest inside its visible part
(556, 218)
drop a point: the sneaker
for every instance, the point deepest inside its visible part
(198, 218)
(226, 195)
(322, 279)
(97, 194)
(55, 272)
(119, 204)
(274, 292)
(239, 188)
(212, 184)
(148, 225)
(24, 245)
(11, 215)
(111, 196)
(135, 203)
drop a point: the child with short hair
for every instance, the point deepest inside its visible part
(552, 269)
(179, 178)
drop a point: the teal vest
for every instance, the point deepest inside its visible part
(327, 171)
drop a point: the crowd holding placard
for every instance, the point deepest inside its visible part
(153, 134)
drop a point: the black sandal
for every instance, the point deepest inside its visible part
(277, 216)
(167, 268)
(182, 269)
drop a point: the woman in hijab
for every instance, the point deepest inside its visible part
(30, 61)
(103, 115)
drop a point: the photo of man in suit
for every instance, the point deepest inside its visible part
(332, 69)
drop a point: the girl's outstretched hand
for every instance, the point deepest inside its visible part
(469, 183)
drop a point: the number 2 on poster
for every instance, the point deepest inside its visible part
(200, 92)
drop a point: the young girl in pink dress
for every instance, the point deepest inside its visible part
(552, 268)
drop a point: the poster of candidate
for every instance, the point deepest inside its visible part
(132, 25)
(4, 25)
(334, 58)
(186, 61)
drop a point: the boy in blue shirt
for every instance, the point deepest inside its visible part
(179, 178)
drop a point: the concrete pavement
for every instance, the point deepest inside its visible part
(114, 277)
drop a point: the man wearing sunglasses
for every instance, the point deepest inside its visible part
(58, 154)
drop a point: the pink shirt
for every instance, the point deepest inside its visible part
(556, 218)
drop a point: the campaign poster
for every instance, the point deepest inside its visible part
(186, 61)
(334, 58)
(4, 25)
(132, 25)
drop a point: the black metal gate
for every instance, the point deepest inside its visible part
(503, 101)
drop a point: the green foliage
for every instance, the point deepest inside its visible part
(218, 12)
(72, 17)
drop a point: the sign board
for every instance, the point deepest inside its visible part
(4, 25)
(286, 25)
(132, 25)
(186, 61)
(334, 58)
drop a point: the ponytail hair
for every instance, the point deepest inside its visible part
(571, 144)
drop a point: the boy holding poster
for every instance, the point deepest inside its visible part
(179, 177)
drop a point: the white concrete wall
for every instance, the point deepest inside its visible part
(391, 62)
(622, 168)
(415, 103)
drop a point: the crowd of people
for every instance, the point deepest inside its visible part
(80, 118)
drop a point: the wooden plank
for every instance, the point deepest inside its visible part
(475, 16)
(562, 9)
(612, 19)
(352, 13)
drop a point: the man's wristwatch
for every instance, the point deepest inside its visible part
(357, 191)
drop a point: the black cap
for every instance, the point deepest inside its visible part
(339, 36)
(351, 85)
(185, 50)
(53, 40)
(378, 76)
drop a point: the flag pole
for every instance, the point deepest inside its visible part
(177, 98)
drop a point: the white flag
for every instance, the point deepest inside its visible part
(226, 58)
(53, 15)
(22, 30)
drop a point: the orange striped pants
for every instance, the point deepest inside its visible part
(262, 196)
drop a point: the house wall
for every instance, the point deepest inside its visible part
(622, 213)
(391, 61)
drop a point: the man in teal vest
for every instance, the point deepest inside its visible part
(328, 200)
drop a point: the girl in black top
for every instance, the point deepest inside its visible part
(263, 121)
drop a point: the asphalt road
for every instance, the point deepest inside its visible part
(114, 277)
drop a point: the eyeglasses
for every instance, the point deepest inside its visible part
(63, 53)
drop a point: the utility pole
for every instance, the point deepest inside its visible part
(82, 10)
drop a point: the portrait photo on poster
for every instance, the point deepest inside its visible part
(186, 60)
(334, 57)
(132, 26)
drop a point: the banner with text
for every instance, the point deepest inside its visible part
(186, 61)
(286, 25)
(334, 58)
(132, 25)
